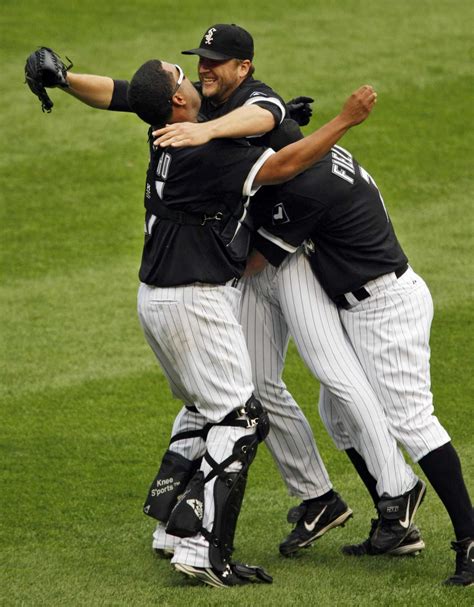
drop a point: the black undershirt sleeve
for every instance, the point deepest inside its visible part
(119, 101)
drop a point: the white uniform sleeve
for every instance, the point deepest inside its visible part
(249, 189)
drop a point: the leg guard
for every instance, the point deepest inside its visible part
(229, 486)
(172, 478)
(185, 520)
(229, 490)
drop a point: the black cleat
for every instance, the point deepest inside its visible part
(312, 521)
(235, 574)
(396, 518)
(412, 544)
(464, 574)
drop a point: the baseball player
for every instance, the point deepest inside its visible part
(329, 357)
(322, 508)
(386, 310)
(196, 245)
(252, 108)
(288, 301)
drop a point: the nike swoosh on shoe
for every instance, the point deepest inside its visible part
(405, 522)
(312, 525)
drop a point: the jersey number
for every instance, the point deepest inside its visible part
(163, 167)
(369, 179)
(162, 171)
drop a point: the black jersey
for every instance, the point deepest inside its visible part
(197, 223)
(338, 207)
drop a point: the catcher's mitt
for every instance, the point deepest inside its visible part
(44, 68)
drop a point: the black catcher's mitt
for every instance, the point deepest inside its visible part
(300, 109)
(44, 68)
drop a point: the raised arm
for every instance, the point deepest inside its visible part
(44, 69)
(245, 121)
(297, 157)
(95, 91)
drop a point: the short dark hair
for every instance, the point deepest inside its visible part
(149, 93)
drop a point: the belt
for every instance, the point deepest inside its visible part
(187, 219)
(360, 294)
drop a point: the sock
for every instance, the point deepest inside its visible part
(362, 470)
(322, 498)
(443, 469)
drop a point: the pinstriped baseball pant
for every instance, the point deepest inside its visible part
(390, 333)
(290, 300)
(198, 341)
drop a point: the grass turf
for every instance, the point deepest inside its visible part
(85, 411)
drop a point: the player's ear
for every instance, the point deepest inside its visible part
(244, 67)
(179, 99)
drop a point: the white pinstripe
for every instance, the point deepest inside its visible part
(275, 303)
(390, 333)
(290, 299)
(194, 333)
(290, 440)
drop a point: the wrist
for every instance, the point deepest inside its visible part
(214, 128)
(343, 121)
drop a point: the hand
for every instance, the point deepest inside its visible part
(300, 110)
(256, 262)
(182, 134)
(359, 105)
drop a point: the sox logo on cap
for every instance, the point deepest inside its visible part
(209, 35)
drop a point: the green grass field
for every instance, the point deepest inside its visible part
(86, 413)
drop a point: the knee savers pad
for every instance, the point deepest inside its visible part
(186, 517)
(170, 482)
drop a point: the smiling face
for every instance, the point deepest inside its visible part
(219, 79)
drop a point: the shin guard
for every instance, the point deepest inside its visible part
(229, 489)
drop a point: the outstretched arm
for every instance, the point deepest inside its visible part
(245, 121)
(44, 69)
(297, 157)
(95, 91)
